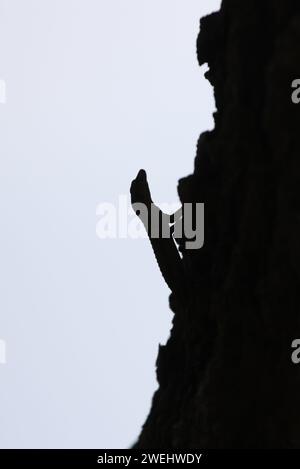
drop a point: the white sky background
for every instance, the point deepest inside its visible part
(96, 89)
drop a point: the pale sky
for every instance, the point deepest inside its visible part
(95, 89)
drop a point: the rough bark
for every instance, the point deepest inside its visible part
(226, 379)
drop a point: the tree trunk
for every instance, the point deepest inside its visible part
(226, 378)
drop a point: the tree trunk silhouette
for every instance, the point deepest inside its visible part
(226, 378)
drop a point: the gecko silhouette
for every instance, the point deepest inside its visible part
(164, 247)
